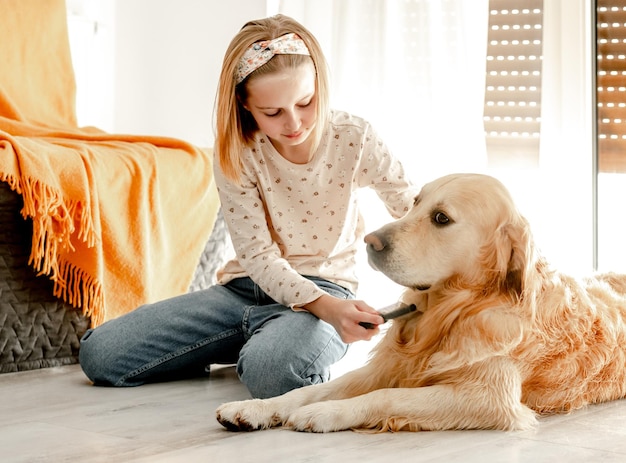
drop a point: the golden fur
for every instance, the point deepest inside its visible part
(498, 337)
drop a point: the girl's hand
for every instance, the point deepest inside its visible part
(344, 315)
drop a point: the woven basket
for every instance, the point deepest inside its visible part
(37, 330)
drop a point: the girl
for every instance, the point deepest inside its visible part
(287, 170)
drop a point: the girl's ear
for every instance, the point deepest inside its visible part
(241, 101)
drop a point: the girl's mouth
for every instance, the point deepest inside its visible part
(293, 136)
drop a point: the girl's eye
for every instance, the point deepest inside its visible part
(273, 114)
(440, 218)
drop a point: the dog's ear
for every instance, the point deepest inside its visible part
(515, 255)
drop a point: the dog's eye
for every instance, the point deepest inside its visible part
(440, 218)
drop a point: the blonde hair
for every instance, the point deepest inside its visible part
(234, 126)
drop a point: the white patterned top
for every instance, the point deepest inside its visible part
(287, 220)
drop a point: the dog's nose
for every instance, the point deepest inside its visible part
(372, 240)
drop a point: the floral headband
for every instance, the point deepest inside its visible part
(260, 53)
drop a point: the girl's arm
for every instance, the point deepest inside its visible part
(384, 173)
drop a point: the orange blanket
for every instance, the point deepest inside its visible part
(118, 220)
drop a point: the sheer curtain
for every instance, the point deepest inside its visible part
(414, 68)
(417, 70)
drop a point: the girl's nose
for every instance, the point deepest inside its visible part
(291, 121)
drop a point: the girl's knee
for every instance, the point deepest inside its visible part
(93, 357)
(86, 356)
(272, 375)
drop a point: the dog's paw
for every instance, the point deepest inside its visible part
(321, 417)
(248, 415)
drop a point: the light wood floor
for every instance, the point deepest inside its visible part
(55, 415)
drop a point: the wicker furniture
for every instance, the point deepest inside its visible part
(37, 330)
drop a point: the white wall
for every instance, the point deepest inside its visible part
(168, 55)
(151, 66)
(91, 28)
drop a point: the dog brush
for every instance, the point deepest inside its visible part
(391, 311)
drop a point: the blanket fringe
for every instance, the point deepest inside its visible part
(54, 222)
(80, 290)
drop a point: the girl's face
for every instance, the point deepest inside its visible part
(283, 105)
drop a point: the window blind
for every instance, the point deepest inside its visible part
(611, 84)
(512, 114)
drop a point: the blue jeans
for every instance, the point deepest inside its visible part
(275, 348)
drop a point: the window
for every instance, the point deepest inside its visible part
(611, 85)
(611, 133)
(512, 115)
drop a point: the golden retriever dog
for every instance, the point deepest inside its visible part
(498, 338)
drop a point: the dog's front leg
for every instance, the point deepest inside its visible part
(255, 414)
(489, 397)
(252, 415)
(426, 408)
